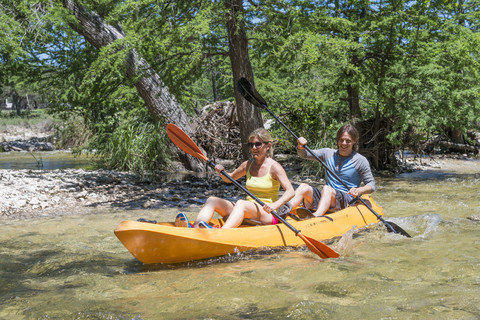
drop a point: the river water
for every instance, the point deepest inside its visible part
(73, 267)
(43, 160)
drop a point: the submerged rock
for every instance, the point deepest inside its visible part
(475, 217)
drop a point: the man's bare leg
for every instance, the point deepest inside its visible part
(327, 201)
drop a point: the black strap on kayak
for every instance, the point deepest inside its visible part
(147, 221)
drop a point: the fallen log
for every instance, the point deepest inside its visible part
(457, 146)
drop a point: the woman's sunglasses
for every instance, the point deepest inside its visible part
(257, 144)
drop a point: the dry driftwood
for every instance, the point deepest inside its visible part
(458, 147)
(428, 146)
(216, 131)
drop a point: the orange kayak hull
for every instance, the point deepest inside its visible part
(164, 243)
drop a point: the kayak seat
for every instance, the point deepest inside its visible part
(146, 220)
(303, 213)
(251, 222)
(245, 222)
(355, 202)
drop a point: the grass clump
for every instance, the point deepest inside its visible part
(137, 144)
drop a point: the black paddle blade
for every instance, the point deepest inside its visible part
(250, 94)
(397, 229)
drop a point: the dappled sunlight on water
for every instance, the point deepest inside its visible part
(73, 267)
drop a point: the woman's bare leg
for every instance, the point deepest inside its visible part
(214, 204)
(246, 209)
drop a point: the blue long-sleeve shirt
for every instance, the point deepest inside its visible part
(352, 170)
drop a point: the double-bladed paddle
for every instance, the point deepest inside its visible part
(250, 94)
(184, 142)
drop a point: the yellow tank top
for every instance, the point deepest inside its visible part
(265, 188)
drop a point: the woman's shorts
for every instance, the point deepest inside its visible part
(274, 220)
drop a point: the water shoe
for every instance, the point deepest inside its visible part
(182, 221)
(205, 225)
(285, 209)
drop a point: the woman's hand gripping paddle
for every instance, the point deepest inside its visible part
(250, 94)
(184, 142)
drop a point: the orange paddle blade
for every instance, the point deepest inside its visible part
(183, 141)
(322, 250)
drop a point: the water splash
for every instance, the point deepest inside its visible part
(420, 226)
(345, 244)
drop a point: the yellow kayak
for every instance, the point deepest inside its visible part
(164, 243)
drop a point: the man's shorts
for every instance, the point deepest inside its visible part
(342, 199)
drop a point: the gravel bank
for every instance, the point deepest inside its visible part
(36, 193)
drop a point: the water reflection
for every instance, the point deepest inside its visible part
(43, 160)
(73, 267)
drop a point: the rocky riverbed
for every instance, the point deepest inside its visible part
(36, 193)
(33, 144)
(20, 138)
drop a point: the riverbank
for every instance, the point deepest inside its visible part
(39, 193)
(32, 133)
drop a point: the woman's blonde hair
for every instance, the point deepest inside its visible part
(265, 137)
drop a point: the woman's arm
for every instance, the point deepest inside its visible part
(279, 174)
(239, 172)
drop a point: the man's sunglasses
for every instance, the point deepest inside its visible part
(257, 144)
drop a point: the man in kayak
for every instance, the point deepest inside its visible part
(351, 167)
(264, 178)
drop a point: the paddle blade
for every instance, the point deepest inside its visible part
(183, 141)
(320, 249)
(250, 94)
(397, 229)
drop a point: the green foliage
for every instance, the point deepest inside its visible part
(184, 41)
(317, 63)
(27, 117)
(317, 121)
(136, 145)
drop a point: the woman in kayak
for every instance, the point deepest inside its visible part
(264, 178)
(351, 167)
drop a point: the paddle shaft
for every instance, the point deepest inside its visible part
(225, 174)
(330, 170)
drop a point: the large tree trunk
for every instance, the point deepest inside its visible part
(354, 104)
(16, 102)
(161, 104)
(457, 136)
(249, 117)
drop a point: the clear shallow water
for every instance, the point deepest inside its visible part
(73, 267)
(43, 160)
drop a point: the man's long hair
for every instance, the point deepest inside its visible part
(352, 131)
